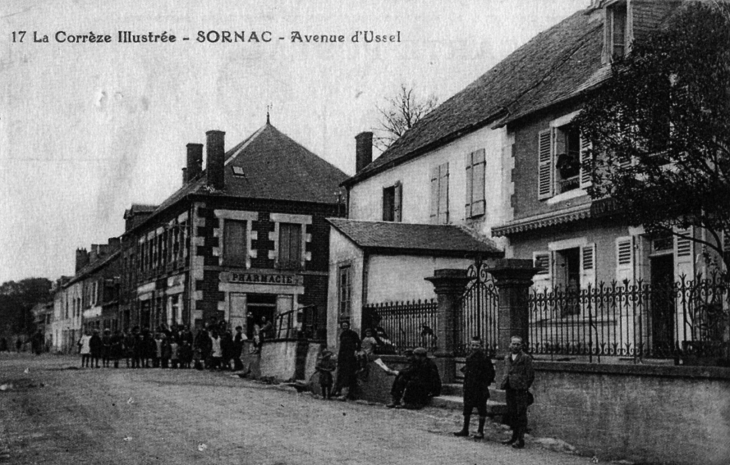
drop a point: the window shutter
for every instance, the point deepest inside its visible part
(625, 260)
(545, 165)
(234, 242)
(588, 266)
(586, 174)
(683, 254)
(434, 194)
(544, 261)
(443, 204)
(478, 173)
(398, 203)
(469, 182)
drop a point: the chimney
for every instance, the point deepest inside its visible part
(363, 150)
(194, 161)
(215, 159)
(82, 259)
(114, 243)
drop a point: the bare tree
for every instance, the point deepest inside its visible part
(401, 112)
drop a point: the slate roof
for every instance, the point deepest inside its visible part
(549, 68)
(419, 239)
(139, 208)
(275, 167)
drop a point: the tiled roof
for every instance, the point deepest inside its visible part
(139, 208)
(407, 238)
(274, 167)
(93, 266)
(550, 67)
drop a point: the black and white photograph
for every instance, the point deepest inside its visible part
(365, 232)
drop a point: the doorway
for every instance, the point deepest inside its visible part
(662, 304)
(258, 306)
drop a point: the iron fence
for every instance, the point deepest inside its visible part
(407, 324)
(688, 318)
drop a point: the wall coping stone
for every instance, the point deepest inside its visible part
(664, 371)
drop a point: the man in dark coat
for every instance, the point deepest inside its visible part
(106, 348)
(416, 383)
(478, 375)
(96, 346)
(347, 362)
(518, 377)
(238, 349)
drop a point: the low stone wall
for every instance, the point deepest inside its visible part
(282, 360)
(640, 413)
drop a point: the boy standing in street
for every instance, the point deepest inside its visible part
(478, 375)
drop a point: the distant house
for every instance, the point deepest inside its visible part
(242, 239)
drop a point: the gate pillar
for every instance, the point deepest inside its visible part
(513, 278)
(449, 285)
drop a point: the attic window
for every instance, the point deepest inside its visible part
(238, 171)
(616, 30)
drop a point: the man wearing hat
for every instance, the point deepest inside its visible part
(416, 383)
(478, 375)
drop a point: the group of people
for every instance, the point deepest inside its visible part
(213, 347)
(518, 377)
(415, 384)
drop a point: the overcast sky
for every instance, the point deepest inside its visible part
(88, 129)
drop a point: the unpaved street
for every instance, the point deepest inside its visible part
(53, 414)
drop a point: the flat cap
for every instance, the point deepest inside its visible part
(419, 351)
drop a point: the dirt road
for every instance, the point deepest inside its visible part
(53, 413)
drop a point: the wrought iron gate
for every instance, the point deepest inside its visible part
(477, 315)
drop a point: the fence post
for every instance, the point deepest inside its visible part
(513, 278)
(449, 285)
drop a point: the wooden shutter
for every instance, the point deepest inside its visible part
(443, 194)
(398, 202)
(588, 266)
(290, 238)
(477, 187)
(683, 254)
(434, 194)
(544, 261)
(545, 165)
(586, 171)
(234, 242)
(625, 260)
(469, 182)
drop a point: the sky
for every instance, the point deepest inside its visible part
(87, 129)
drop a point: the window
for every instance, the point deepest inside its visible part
(616, 36)
(440, 194)
(475, 166)
(562, 156)
(344, 289)
(234, 243)
(393, 203)
(290, 246)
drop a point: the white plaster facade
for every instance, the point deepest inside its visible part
(366, 197)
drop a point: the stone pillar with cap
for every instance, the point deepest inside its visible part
(513, 278)
(449, 285)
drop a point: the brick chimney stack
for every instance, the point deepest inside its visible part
(363, 150)
(215, 159)
(82, 259)
(194, 162)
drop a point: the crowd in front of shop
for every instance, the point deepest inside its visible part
(214, 347)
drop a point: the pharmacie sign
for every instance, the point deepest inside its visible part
(249, 277)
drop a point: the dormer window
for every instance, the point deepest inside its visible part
(617, 31)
